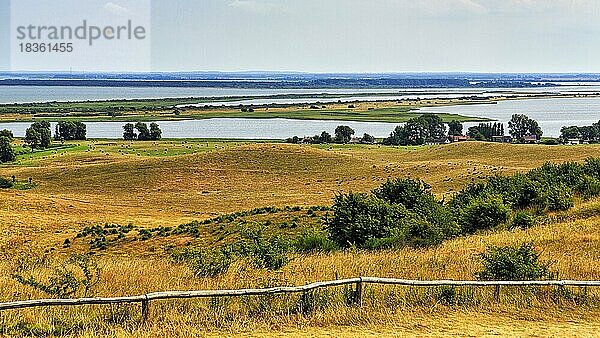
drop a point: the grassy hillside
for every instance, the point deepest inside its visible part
(169, 183)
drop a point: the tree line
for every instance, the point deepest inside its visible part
(430, 128)
(141, 132)
(342, 135)
(589, 134)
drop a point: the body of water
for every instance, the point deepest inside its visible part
(551, 114)
(24, 94)
(267, 129)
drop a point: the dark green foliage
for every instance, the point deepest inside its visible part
(69, 130)
(143, 133)
(314, 241)
(399, 212)
(520, 126)
(559, 198)
(155, 132)
(358, 217)
(265, 253)
(418, 131)
(523, 220)
(343, 134)
(7, 153)
(513, 263)
(7, 133)
(5, 184)
(589, 134)
(483, 213)
(455, 128)
(367, 139)
(39, 135)
(129, 132)
(486, 131)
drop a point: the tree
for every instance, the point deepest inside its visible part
(69, 130)
(155, 132)
(567, 133)
(7, 153)
(434, 127)
(455, 128)
(367, 139)
(520, 126)
(143, 134)
(39, 135)
(32, 138)
(129, 132)
(7, 133)
(343, 134)
(486, 131)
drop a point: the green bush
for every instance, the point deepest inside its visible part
(484, 213)
(359, 217)
(314, 241)
(265, 253)
(523, 220)
(5, 184)
(205, 262)
(513, 263)
(559, 198)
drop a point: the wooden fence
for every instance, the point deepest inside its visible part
(358, 282)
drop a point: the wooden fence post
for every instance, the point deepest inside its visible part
(145, 310)
(497, 293)
(358, 295)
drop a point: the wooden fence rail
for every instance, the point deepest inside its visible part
(155, 296)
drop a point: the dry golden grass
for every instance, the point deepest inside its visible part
(77, 189)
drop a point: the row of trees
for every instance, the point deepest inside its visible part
(486, 131)
(39, 136)
(141, 132)
(589, 134)
(343, 135)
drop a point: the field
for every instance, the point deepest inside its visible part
(153, 185)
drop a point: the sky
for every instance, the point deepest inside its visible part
(367, 35)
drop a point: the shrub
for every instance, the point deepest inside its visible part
(5, 184)
(589, 187)
(513, 263)
(204, 262)
(265, 253)
(314, 241)
(358, 217)
(410, 193)
(523, 220)
(559, 198)
(484, 213)
(77, 275)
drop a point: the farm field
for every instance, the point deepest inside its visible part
(154, 185)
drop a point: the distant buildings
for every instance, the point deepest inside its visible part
(458, 138)
(502, 139)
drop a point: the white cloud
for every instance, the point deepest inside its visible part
(115, 9)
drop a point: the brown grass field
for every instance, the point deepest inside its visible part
(172, 182)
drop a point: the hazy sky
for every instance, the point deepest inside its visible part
(374, 35)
